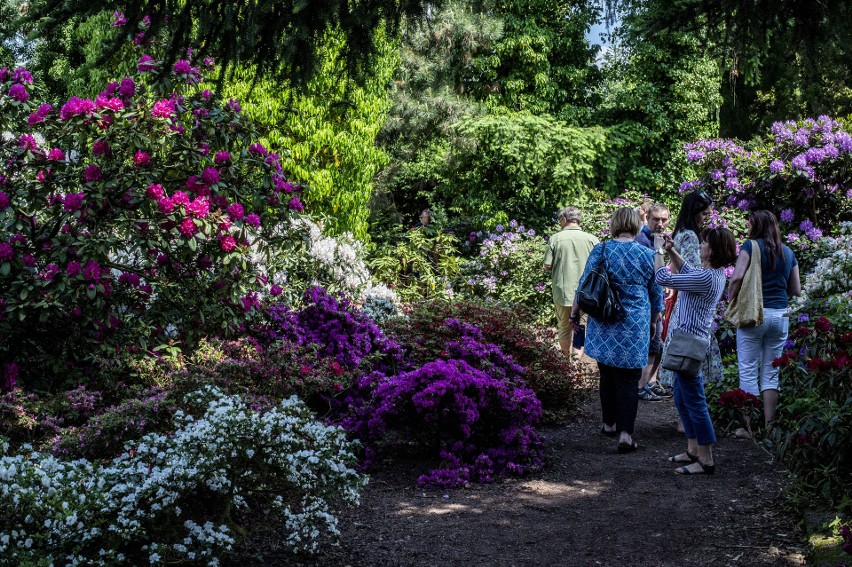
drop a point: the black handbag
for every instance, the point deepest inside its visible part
(597, 297)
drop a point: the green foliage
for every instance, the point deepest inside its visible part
(326, 128)
(281, 39)
(542, 63)
(658, 93)
(418, 264)
(519, 163)
(777, 60)
(66, 61)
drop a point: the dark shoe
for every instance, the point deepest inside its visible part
(646, 395)
(705, 469)
(690, 458)
(660, 390)
(612, 433)
(627, 447)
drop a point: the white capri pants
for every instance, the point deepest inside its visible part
(758, 347)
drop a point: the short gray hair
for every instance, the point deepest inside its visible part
(569, 215)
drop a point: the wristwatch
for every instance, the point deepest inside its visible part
(660, 251)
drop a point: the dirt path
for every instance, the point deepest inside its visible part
(590, 506)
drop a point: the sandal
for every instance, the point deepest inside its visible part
(705, 469)
(689, 458)
(612, 433)
(627, 447)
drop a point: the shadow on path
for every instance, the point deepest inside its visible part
(590, 506)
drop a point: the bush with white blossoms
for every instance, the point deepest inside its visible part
(183, 497)
(832, 273)
(381, 303)
(509, 270)
(335, 263)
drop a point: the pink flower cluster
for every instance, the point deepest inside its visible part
(19, 79)
(163, 109)
(76, 107)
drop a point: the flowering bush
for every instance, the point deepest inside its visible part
(830, 277)
(814, 421)
(800, 174)
(480, 426)
(183, 497)
(509, 270)
(312, 258)
(738, 408)
(127, 220)
(381, 303)
(431, 327)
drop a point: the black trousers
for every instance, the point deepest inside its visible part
(619, 400)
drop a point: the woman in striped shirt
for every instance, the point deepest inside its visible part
(699, 291)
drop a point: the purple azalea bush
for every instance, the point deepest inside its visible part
(129, 222)
(479, 425)
(801, 173)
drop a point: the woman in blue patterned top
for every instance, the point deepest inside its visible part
(699, 290)
(621, 347)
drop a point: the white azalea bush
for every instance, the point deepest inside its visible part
(832, 274)
(180, 498)
(381, 303)
(335, 263)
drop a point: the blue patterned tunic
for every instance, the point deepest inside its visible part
(624, 344)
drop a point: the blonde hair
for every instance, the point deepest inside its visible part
(625, 219)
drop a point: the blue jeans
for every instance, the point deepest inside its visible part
(692, 406)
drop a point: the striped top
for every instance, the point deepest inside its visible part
(700, 290)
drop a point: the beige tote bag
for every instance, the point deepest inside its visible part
(746, 310)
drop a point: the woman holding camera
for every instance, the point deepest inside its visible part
(699, 290)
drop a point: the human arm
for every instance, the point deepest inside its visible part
(794, 284)
(548, 258)
(740, 268)
(690, 279)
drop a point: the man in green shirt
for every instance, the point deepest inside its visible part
(565, 259)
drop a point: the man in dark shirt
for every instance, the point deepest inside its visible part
(652, 390)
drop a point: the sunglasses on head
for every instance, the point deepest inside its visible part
(706, 198)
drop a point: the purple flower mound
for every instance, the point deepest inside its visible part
(478, 425)
(333, 327)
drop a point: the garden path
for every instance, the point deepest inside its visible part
(590, 506)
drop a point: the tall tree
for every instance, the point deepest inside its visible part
(279, 38)
(659, 92)
(325, 130)
(780, 58)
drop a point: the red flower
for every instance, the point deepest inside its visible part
(823, 325)
(803, 332)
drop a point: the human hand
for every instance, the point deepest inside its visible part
(668, 243)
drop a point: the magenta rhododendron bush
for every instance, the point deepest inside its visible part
(128, 223)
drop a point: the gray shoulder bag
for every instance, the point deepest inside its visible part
(685, 354)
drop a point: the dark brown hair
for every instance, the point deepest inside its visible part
(763, 224)
(723, 246)
(693, 204)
